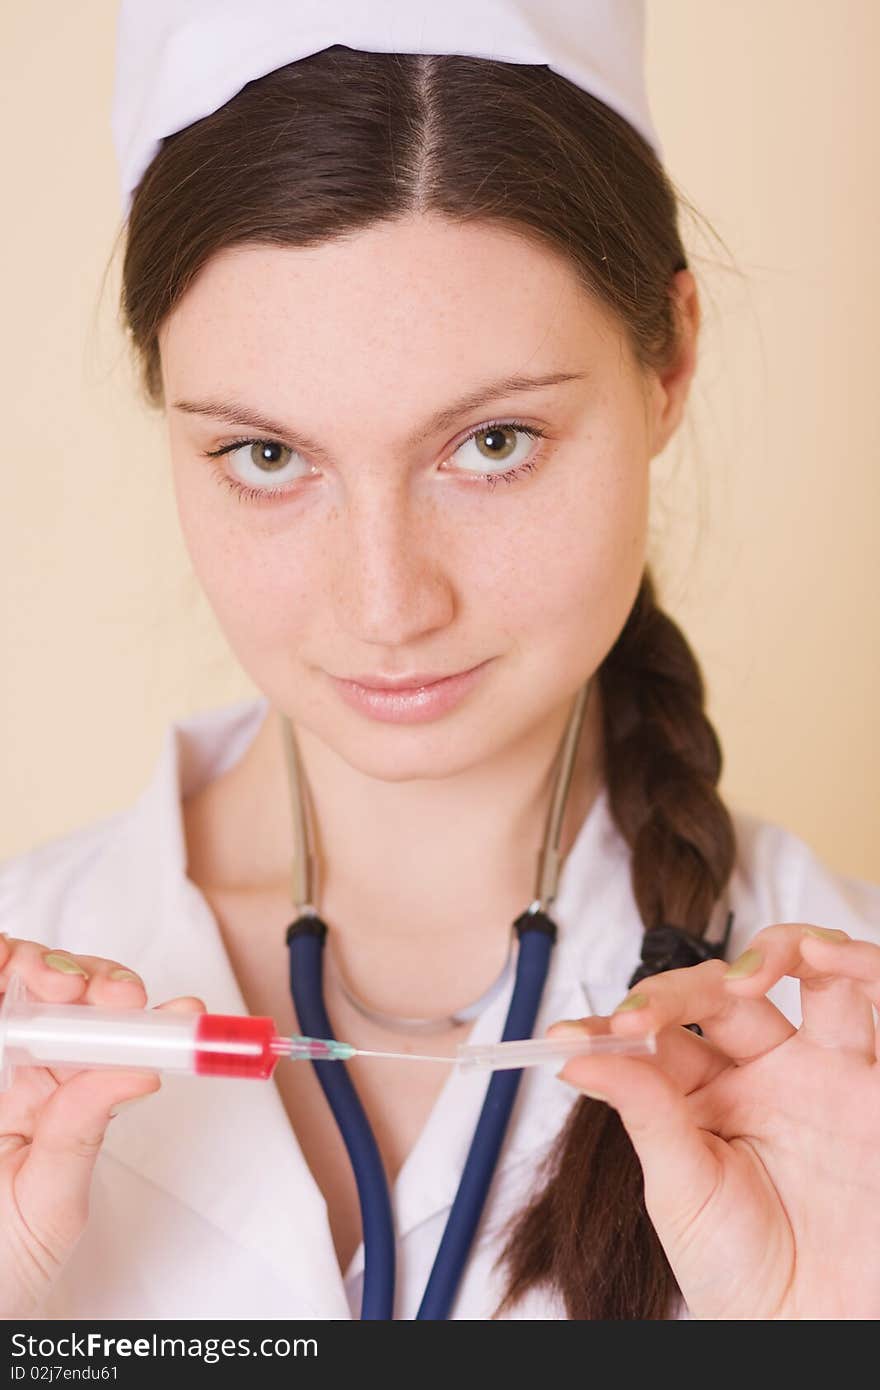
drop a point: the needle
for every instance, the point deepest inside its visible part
(404, 1056)
(525, 1052)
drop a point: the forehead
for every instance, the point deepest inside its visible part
(416, 303)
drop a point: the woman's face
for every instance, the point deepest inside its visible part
(385, 550)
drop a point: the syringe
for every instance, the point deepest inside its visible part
(34, 1033)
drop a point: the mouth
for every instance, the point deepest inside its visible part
(413, 698)
(416, 681)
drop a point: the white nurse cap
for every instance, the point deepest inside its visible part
(179, 60)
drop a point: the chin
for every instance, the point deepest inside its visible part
(394, 753)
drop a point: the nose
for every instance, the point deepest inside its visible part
(392, 583)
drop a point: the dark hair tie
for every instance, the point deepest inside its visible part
(671, 948)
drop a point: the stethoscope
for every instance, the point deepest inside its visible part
(536, 932)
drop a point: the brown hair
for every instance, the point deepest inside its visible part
(340, 140)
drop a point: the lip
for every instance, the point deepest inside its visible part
(421, 699)
(411, 682)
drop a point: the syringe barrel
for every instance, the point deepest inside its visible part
(34, 1033)
(86, 1035)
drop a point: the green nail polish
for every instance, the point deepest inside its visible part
(632, 1001)
(827, 933)
(122, 975)
(746, 964)
(56, 961)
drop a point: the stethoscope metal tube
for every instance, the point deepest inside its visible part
(305, 940)
(303, 875)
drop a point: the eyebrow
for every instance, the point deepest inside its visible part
(235, 414)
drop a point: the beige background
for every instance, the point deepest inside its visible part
(766, 508)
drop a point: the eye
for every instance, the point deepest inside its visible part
(499, 446)
(260, 462)
(264, 466)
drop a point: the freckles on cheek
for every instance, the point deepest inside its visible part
(545, 567)
(564, 586)
(256, 584)
(572, 572)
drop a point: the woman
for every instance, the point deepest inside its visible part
(420, 326)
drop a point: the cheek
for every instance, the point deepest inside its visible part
(567, 577)
(261, 579)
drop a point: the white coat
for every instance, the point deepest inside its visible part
(202, 1205)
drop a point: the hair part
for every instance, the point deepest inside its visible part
(335, 143)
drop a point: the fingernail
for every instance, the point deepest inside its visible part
(576, 1024)
(122, 1104)
(632, 1001)
(744, 965)
(56, 961)
(122, 975)
(827, 933)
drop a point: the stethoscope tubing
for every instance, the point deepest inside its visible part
(537, 934)
(305, 939)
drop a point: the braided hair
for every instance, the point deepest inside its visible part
(592, 1238)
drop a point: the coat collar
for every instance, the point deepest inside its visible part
(227, 1147)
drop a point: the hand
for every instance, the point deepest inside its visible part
(52, 1123)
(759, 1142)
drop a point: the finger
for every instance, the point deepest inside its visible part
(50, 973)
(689, 1061)
(742, 1029)
(52, 968)
(184, 1004)
(678, 1160)
(112, 984)
(857, 960)
(61, 976)
(107, 981)
(836, 1011)
(52, 1184)
(21, 1103)
(117, 986)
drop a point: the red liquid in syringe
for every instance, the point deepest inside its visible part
(230, 1045)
